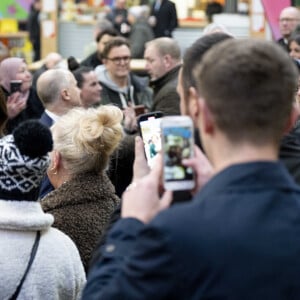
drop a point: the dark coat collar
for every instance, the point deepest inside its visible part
(172, 74)
(252, 174)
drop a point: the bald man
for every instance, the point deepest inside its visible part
(288, 20)
(58, 91)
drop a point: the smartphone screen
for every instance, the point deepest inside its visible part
(149, 126)
(177, 135)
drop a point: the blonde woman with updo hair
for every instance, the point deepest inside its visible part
(84, 198)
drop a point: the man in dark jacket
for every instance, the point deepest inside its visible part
(163, 60)
(34, 28)
(163, 18)
(230, 241)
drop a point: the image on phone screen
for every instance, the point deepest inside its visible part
(178, 145)
(151, 134)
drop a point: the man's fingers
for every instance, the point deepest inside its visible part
(139, 150)
(140, 166)
(166, 200)
(157, 167)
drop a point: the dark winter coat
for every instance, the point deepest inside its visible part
(166, 19)
(165, 97)
(290, 152)
(34, 29)
(81, 208)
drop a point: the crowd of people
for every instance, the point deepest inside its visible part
(82, 216)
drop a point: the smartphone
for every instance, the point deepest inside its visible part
(15, 86)
(149, 128)
(177, 144)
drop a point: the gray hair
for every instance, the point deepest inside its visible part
(216, 27)
(166, 46)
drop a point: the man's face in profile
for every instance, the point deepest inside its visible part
(288, 21)
(91, 90)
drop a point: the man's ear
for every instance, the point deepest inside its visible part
(56, 160)
(167, 59)
(206, 118)
(65, 95)
(294, 115)
(193, 105)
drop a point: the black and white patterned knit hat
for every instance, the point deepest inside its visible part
(24, 160)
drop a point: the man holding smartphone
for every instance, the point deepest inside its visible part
(239, 237)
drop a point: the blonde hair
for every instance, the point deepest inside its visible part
(85, 138)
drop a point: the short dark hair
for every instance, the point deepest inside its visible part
(115, 42)
(78, 74)
(295, 38)
(249, 87)
(73, 64)
(193, 56)
(108, 31)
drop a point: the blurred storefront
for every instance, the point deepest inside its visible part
(67, 25)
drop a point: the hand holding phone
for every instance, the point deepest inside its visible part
(142, 199)
(177, 144)
(202, 167)
(15, 104)
(15, 86)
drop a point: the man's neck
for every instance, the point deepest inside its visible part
(223, 155)
(120, 81)
(58, 109)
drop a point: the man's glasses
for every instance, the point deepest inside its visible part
(118, 60)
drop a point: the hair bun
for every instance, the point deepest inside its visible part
(33, 139)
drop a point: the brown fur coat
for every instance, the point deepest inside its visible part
(81, 208)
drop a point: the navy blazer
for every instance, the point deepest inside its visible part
(166, 19)
(46, 120)
(46, 186)
(238, 239)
